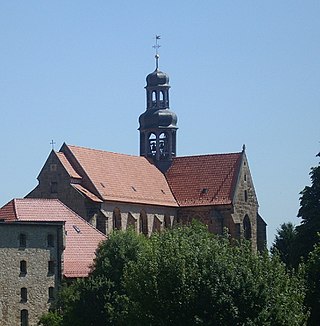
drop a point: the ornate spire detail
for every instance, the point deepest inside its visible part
(156, 47)
(158, 124)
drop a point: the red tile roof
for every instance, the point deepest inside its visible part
(205, 179)
(87, 193)
(80, 246)
(70, 170)
(121, 177)
(8, 211)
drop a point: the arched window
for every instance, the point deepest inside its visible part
(24, 317)
(24, 294)
(116, 219)
(154, 96)
(152, 144)
(156, 224)
(163, 144)
(22, 240)
(50, 240)
(23, 267)
(101, 223)
(50, 267)
(162, 100)
(51, 293)
(131, 222)
(167, 221)
(247, 228)
(143, 223)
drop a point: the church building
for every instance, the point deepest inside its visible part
(157, 189)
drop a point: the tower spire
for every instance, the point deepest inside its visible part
(156, 47)
(158, 124)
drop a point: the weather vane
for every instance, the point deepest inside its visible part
(156, 47)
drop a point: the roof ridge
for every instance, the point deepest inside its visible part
(15, 208)
(203, 155)
(104, 151)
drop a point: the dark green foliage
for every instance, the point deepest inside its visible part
(52, 318)
(190, 277)
(83, 303)
(313, 289)
(284, 244)
(307, 232)
(184, 276)
(100, 299)
(300, 247)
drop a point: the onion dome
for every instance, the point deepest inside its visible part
(159, 118)
(157, 78)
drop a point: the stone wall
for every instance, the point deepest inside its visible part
(217, 218)
(246, 204)
(37, 280)
(131, 214)
(55, 182)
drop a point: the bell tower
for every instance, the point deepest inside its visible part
(158, 125)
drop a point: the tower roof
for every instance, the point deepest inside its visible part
(157, 78)
(158, 118)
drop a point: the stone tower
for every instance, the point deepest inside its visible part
(158, 125)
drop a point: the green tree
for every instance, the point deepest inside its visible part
(309, 212)
(284, 244)
(100, 299)
(184, 276)
(313, 285)
(52, 318)
(188, 276)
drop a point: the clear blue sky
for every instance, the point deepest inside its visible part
(241, 72)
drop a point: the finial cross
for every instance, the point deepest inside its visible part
(156, 47)
(52, 143)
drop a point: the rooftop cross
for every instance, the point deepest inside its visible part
(156, 47)
(52, 143)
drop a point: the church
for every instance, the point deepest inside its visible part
(157, 189)
(84, 194)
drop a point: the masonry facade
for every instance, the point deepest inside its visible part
(30, 269)
(40, 242)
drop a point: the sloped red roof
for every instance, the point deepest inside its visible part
(87, 193)
(121, 177)
(204, 179)
(70, 170)
(8, 211)
(82, 239)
